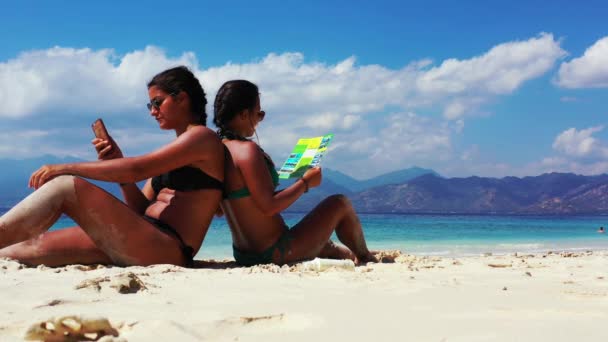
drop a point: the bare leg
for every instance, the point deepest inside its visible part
(123, 235)
(35, 214)
(333, 251)
(311, 234)
(57, 248)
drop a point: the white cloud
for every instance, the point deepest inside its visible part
(561, 164)
(587, 71)
(404, 139)
(32, 143)
(578, 152)
(66, 79)
(499, 71)
(131, 141)
(329, 121)
(580, 144)
(302, 98)
(470, 153)
(79, 79)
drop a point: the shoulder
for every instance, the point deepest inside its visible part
(244, 151)
(202, 134)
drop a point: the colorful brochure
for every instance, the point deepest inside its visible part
(306, 154)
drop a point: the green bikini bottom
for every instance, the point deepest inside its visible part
(265, 257)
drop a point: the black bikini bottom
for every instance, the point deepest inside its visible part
(167, 229)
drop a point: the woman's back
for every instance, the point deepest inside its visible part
(251, 227)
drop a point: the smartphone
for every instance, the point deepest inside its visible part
(100, 130)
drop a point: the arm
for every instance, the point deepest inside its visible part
(137, 199)
(250, 161)
(196, 144)
(134, 197)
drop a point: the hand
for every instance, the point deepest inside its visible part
(107, 149)
(43, 175)
(313, 177)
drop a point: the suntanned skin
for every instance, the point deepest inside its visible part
(255, 220)
(100, 215)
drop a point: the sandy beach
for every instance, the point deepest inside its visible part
(542, 297)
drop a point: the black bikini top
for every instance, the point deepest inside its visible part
(186, 178)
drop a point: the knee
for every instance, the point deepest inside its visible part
(64, 186)
(62, 182)
(339, 200)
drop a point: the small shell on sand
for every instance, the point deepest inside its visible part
(70, 328)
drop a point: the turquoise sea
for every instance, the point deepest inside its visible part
(449, 235)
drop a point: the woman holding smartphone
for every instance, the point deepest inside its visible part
(165, 222)
(252, 206)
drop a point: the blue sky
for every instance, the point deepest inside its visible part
(465, 88)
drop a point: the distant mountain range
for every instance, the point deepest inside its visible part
(396, 177)
(336, 182)
(413, 190)
(552, 193)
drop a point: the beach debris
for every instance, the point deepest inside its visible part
(123, 283)
(127, 283)
(51, 303)
(570, 255)
(500, 265)
(172, 269)
(457, 263)
(487, 254)
(86, 268)
(70, 328)
(320, 265)
(247, 320)
(387, 257)
(504, 288)
(92, 283)
(271, 268)
(528, 274)
(11, 265)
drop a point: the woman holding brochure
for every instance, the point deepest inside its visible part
(163, 224)
(252, 206)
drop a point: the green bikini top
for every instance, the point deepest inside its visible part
(244, 192)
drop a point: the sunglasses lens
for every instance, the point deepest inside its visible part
(154, 103)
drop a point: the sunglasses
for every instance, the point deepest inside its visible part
(156, 103)
(261, 115)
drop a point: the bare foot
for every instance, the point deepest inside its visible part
(332, 250)
(369, 257)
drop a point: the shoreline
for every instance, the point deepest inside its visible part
(468, 250)
(544, 296)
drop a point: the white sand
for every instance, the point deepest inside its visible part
(550, 297)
